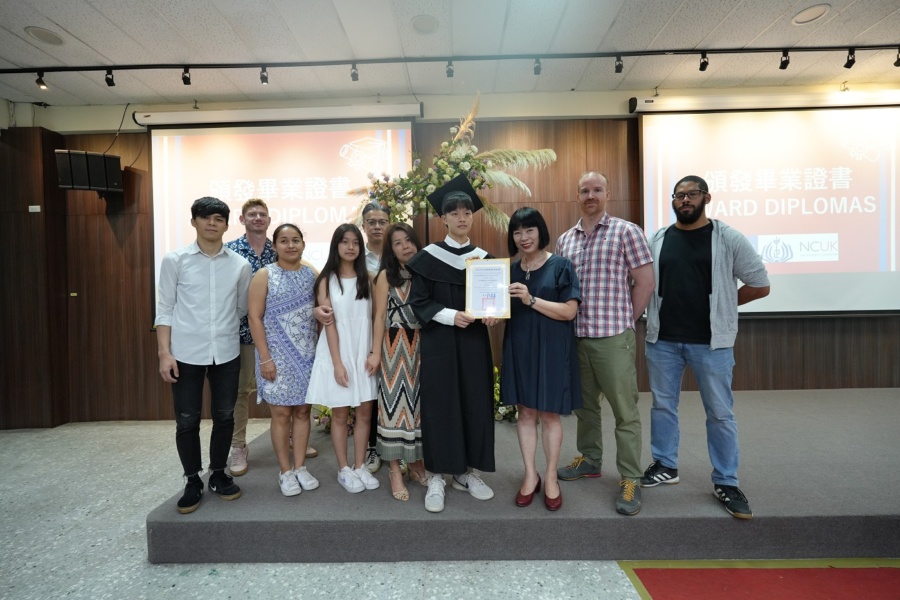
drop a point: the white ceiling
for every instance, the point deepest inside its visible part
(119, 32)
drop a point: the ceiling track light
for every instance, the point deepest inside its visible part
(537, 66)
(619, 64)
(785, 60)
(704, 61)
(354, 73)
(263, 76)
(449, 68)
(110, 80)
(851, 58)
(40, 80)
(186, 76)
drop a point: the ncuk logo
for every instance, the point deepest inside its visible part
(799, 247)
(777, 251)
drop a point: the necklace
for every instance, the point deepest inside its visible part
(533, 265)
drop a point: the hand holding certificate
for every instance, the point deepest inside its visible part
(487, 288)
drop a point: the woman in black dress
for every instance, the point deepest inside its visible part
(540, 367)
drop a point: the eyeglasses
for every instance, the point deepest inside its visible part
(379, 222)
(693, 194)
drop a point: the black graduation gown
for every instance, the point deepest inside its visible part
(457, 374)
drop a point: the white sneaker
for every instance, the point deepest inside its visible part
(289, 484)
(239, 461)
(434, 497)
(349, 481)
(472, 483)
(367, 480)
(373, 461)
(305, 479)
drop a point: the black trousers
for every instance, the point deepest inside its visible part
(187, 395)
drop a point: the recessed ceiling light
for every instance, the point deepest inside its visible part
(44, 35)
(813, 13)
(425, 24)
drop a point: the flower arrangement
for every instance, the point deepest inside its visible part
(501, 411)
(406, 196)
(322, 418)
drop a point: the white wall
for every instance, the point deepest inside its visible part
(568, 105)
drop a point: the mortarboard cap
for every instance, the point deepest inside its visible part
(458, 186)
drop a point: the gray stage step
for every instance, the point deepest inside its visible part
(818, 471)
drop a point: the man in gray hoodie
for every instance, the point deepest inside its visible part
(692, 320)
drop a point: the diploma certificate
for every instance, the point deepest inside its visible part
(487, 288)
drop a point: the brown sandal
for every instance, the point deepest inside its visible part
(402, 495)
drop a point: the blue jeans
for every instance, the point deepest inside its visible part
(187, 395)
(666, 362)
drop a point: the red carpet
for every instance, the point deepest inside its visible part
(771, 580)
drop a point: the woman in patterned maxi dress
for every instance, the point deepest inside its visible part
(396, 357)
(280, 306)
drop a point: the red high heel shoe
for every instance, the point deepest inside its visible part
(523, 500)
(553, 504)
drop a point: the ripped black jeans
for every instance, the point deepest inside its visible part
(187, 395)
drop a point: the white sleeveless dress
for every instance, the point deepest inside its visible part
(354, 327)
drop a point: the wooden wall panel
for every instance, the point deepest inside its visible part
(110, 262)
(33, 373)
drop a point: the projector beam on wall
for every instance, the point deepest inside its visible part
(655, 104)
(260, 115)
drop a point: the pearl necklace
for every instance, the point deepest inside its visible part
(533, 265)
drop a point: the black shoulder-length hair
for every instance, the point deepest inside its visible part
(333, 264)
(389, 263)
(524, 218)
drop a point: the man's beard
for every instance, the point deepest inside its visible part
(689, 218)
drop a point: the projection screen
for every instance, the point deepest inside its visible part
(815, 191)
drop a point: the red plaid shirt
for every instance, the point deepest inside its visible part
(604, 258)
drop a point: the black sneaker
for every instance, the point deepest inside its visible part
(224, 486)
(657, 474)
(193, 490)
(734, 500)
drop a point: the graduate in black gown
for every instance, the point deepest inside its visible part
(457, 366)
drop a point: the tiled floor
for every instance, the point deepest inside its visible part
(73, 503)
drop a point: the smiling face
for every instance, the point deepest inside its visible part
(402, 247)
(593, 194)
(527, 240)
(289, 245)
(210, 228)
(348, 247)
(256, 220)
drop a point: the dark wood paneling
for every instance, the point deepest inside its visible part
(110, 262)
(34, 368)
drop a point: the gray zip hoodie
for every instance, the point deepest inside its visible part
(733, 258)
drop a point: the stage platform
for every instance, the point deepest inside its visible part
(819, 468)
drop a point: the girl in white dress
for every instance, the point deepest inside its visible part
(339, 378)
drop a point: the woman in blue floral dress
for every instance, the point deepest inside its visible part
(281, 321)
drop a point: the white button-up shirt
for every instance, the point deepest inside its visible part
(202, 298)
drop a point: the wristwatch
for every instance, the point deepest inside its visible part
(532, 301)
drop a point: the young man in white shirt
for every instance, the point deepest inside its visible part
(202, 297)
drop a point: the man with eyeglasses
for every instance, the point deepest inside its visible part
(612, 260)
(375, 222)
(692, 320)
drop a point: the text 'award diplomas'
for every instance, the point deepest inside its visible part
(487, 288)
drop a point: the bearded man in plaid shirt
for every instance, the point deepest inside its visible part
(615, 268)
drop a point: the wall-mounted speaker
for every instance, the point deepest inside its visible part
(79, 170)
